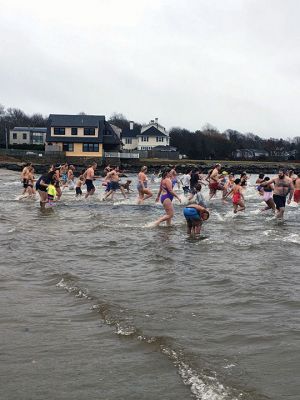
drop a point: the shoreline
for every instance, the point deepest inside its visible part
(252, 167)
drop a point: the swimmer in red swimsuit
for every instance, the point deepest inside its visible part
(238, 197)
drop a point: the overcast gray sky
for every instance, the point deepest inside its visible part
(232, 63)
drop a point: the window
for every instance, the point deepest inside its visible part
(74, 131)
(128, 140)
(90, 147)
(14, 136)
(59, 131)
(145, 138)
(24, 136)
(89, 131)
(37, 139)
(159, 138)
(68, 146)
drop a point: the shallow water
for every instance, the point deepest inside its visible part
(97, 304)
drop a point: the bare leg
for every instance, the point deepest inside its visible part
(169, 213)
(280, 213)
(123, 192)
(242, 206)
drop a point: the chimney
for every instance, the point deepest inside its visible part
(156, 120)
(131, 125)
(152, 121)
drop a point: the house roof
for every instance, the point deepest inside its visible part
(29, 129)
(131, 132)
(64, 120)
(106, 133)
(152, 131)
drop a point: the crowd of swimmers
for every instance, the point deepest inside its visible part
(273, 191)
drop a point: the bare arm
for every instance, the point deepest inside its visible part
(267, 182)
(291, 191)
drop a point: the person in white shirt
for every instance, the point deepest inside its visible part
(185, 181)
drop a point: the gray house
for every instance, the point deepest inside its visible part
(27, 135)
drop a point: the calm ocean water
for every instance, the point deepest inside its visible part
(96, 304)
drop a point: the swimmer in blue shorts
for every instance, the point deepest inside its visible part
(195, 215)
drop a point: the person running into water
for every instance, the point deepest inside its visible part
(57, 182)
(228, 186)
(70, 175)
(144, 192)
(51, 192)
(238, 197)
(283, 186)
(268, 195)
(24, 177)
(214, 183)
(113, 177)
(41, 186)
(166, 195)
(297, 189)
(195, 215)
(89, 177)
(194, 179)
(174, 177)
(79, 183)
(244, 178)
(197, 197)
(30, 182)
(185, 182)
(259, 180)
(63, 172)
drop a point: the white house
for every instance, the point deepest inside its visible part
(152, 135)
(129, 137)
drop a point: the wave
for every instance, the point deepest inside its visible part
(204, 384)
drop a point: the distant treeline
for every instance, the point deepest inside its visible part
(12, 117)
(209, 143)
(206, 143)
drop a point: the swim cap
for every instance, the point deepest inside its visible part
(225, 173)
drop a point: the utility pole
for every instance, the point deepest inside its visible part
(6, 137)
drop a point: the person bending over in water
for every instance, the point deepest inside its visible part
(282, 187)
(144, 192)
(195, 215)
(166, 195)
(238, 197)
